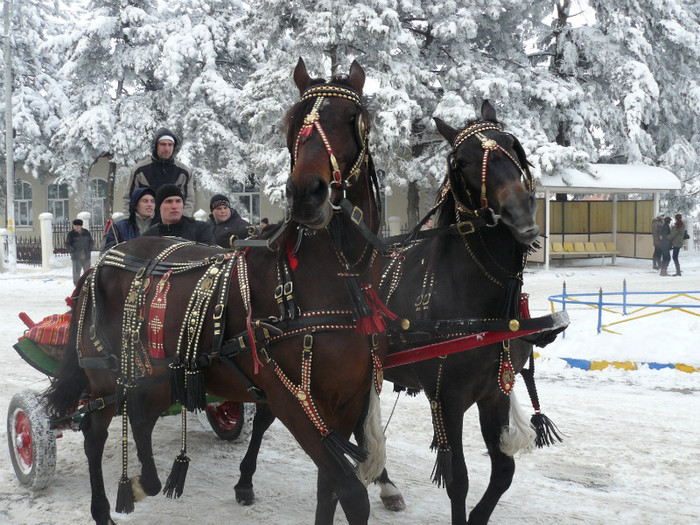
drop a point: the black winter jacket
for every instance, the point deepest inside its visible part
(154, 172)
(186, 228)
(235, 227)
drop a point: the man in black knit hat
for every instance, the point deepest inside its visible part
(228, 225)
(172, 223)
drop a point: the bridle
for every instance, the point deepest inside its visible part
(489, 146)
(312, 121)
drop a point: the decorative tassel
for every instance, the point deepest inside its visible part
(442, 471)
(257, 364)
(176, 480)
(196, 391)
(546, 430)
(341, 449)
(133, 397)
(375, 323)
(512, 294)
(177, 382)
(125, 497)
(361, 311)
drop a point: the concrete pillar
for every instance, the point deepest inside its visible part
(394, 225)
(45, 220)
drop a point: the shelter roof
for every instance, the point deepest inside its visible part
(611, 178)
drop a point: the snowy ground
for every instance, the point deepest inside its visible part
(632, 452)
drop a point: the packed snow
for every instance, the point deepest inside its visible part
(631, 452)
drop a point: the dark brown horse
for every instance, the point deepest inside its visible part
(295, 328)
(475, 271)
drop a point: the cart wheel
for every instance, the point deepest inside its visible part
(32, 443)
(230, 420)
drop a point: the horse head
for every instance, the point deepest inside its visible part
(488, 174)
(327, 132)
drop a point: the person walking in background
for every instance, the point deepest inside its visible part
(678, 237)
(665, 245)
(227, 224)
(264, 223)
(172, 223)
(79, 245)
(162, 168)
(656, 225)
(141, 211)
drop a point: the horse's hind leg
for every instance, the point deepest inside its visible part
(389, 493)
(261, 422)
(148, 482)
(493, 416)
(94, 427)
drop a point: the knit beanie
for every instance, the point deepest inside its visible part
(77, 222)
(219, 200)
(165, 191)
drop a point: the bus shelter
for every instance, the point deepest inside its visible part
(604, 184)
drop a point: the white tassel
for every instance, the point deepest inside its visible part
(375, 442)
(519, 434)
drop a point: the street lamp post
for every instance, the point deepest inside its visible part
(9, 147)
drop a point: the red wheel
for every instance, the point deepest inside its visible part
(228, 418)
(32, 443)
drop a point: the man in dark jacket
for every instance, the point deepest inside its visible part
(162, 168)
(656, 225)
(141, 210)
(172, 223)
(228, 225)
(79, 245)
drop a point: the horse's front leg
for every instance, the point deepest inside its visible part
(261, 422)
(351, 494)
(148, 484)
(94, 427)
(493, 416)
(458, 486)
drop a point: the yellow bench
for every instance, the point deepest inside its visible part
(583, 249)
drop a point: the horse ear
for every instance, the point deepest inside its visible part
(445, 130)
(487, 112)
(356, 76)
(301, 77)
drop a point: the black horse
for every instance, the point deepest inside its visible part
(293, 323)
(474, 271)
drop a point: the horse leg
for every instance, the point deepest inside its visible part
(351, 494)
(148, 484)
(389, 493)
(493, 417)
(94, 427)
(457, 488)
(261, 422)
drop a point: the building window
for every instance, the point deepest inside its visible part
(58, 202)
(96, 203)
(246, 200)
(24, 214)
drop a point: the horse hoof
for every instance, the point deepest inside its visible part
(394, 503)
(245, 497)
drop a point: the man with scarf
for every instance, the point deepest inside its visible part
(162, 168)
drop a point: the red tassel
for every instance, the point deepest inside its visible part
(293, 261)
(524, 306)
(375, 323)
(306, 132)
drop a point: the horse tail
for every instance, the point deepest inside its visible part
(63, 395)
(519, 434)
(373, 440)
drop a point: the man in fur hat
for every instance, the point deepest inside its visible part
(228, 225)
(79, 245)
(162, 168)
(172, 222)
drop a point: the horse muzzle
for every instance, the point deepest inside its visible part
(310, 205)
